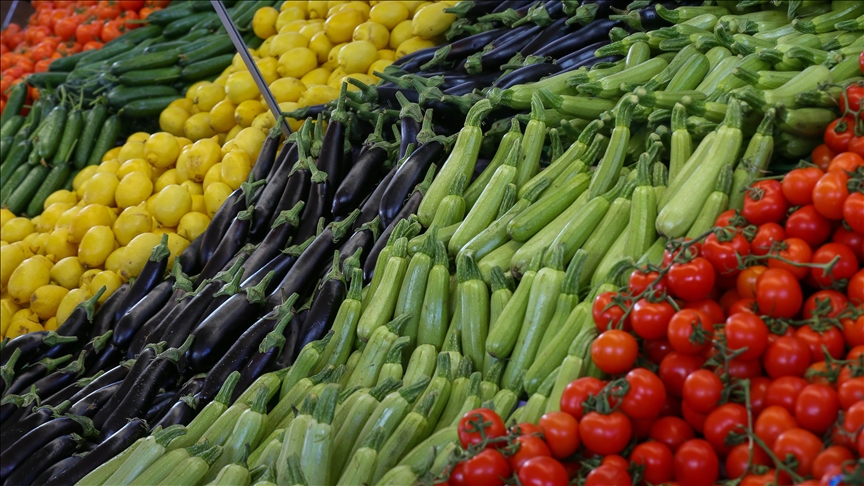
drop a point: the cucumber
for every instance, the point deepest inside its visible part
(209, 67)
(71, 131)
(53, 181)
(147, 61)
(197, 44)
(49, 134)
(147, 107)
(5, 146)
(69, 180)
(151, 76)
(14, 102)
(201, 6)
(11, 126)
(207, 25)
(123, 95)
(93, 122)
(166, 16)
(105, 53)
(184, 25)
(47, 79)
(107, 139)
(220, 45)
(14, 159)
(137, 35)
(68, 63)
(24, 191)
(12, 182)
(165, 46)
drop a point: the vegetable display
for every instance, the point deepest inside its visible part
(530, 255)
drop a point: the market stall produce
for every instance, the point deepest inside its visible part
(613, 268)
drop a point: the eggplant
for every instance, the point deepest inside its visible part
(180, 413)
(185, 320)
(573, 41)
(325, 306)
(362, 240)
(286, 356)
(273, 190)
(161, 404)
(333, 144)
(151, 274)
(104, 319)
(360, 179)
(463, 48)
(508, 4)
(16, 455)
(589, 10)
(369, 207)
(265, 355)
(412, 62)
(410, 207)
(41, 414)
(101, 379)
(527, 74)
(58, 449)
(645, 18)
(33, 373)
(189, 258)
(505, 48)
(28, 345)
(150, 304)
(581, 57)
(154, 327)
(410, 122)
(212, 236)
(104, 452)
(92, 403)
(77, 324)
(52, 473)
(318, 203)
(267, 156)
(277, 237)
(549, 35)
(469, 87)
(234, 238)
(144, 390)
(140, 365)
(296, 187)
(61, 378)
(63, 394)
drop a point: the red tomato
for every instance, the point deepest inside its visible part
(646, 394)
(656, 349)
(529, 447)
(830, 461)
(640, 282)
(844, 268)
(765, 237)
(816, 408)
(825, 303)
(710, 307)
(856, 145)
(792, 254)
(605, 434)
(852, 239)
(92, 45)
(807, 224)
(851, 98)
(702, 391)
(480, 423)
(742, 369)
(675, 368)
(614, 351)
(86, 33)
(690, 252)
(525, 428)
(764, 203)
(65, 28)
(853, 331)
(131, 4)
(724, 420)
(847, 162)
(830, 194)
(112, 30)
(784, 392)
(778, 293)
(802, 444)
(694, 419)
(542, 471)
(671, 431)
(561, 432)
(727, 218)
(787, 356)
(724, 255)
(577, 392)
(798, 185)
(728, 299)
(839, 133)
(606, 475)
(690, 331)
(656, 458)
(739, 456)
(649, 319)
(855, 289)
(830, 337)
(108, 9)
(608, 310)
(616, 461)
(772, 422)
(749, 331)
(759, 394)
(696, 464)
(487, 468)
(693, 280)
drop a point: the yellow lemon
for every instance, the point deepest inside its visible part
(184, 103)
(293, 26)
(95, 247)
(66, 217)
(264, 22)
(198, 205)
(171, 204)
(316, 76)
(61, 196)
(236, 166)
(268, 67)
(182, 171)
(20, 327)
(288, 15)
(111, 166)
(287, 89)
(173, 119)
(222, 116)
(85, 174)
(67, 272)
(386, 55)
(296, 62)
(114, 260)
(111, 154)
(70, 302)
(89, 216)
(134, 189)
(131, 150)
(263, 51)
(309, 30)
(378, 66)
(321, 45)
(51, 324)
(388, 14)
(16, 229)
(215, 195)
(176, 245)
(251, 140)
(241, 87)
(411, 45)
(341, 25)
(301, 4)
(46, 299)
(5, 216)
(58, 244)
(135, 165)
(193, 188)
(431, 21)
(283, 43)
(400, 34)
(87, 277)
(357, 56)
(214, 174)
(107, 279)
(136, 254)
(51, 215)
(333, 56)
(31, 274)
(413, 6)
(319, 94)
(197, 126)
(161, 149)
(317, 9)
(192, 224)
(132, 222)
(167, 178)
(10, 257)
(100, 189)
(265, 121)
(373, 32)
(203, 154)
(246, 112)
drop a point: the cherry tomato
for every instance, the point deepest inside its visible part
(839, 133)
(850, 100)
(772, 422)
(802, 444)
(529, 447)
(749, 331)
(765, 237)
(742, 369)
(855, 289)
(561, 432)
(845, 266)
(640, 282)
(764, 203)
(825, 303)
(739, 456)
(746, 281)
(787, 356)
(577, 392)
(480, 423)
(759, 394)
(798, 185)
(690, 252)
(656, 349)
(488, 467)
(728, 299)
(542, 471)
(724, 255)
(784, 391)
(830, 194)
(853, 331)
(822, 156)
(702, 391)
(131, 4)
(690, 331)
(728, 218)
(778, 293)
(726, 419)
(675, 368)
(829, 339)
(616, 461)
(693, 280)
(608, 310)
(525, 428)
(605, 434)
(847, 162)
(112, 30)
(809, 225)
(791, 255)
(649, 319)
(856, 145)
(696, 464)
(852, 239)
(830, 461)
(614, 351)
(65, 28)
(853, 208)
(85, 33)
(645, 396)
(606, 475)
(710, 307)
(816, 408)
(656, 458)
(694, 419)
(671, 431)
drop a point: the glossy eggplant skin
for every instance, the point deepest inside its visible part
(92, 403)
(154, 327)
(32, 441)
(232, 241)
(295, 188)
(15, 431)
(408, 209)
(52, 473)
(287, 356)
(273, 191)
(407, 176)
(266, 158)
(359, 180)
(212, 236)
(114, 375)
(52, 452)
(104, 319)
(29, 345)
(190, 259)
(141, 363)
(129, 324)
(581, 57)
(527, 74)
(593, 32)
(151, 275)
(509, 45)
(369, 208)
(106, 450)
(322, 313)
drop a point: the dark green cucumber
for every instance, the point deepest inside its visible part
(146, 61)
(137, 35)
(107, 52)
(17, 95)
(49, 134)
(32, 120)
(123, 95)
(26, 189)
(106, 141)
(68, 184)
(11, 126)
(47, 79)
(201, 6)
(68, 63)
(211, 24)
(183, 25)
(147, 107)
(93, 122)
(71, 131)
(209, 67)
(165, 46)
(5, 146)
(16, 157)
(197, 44)
(53, 182)
(244, 20)
(144, 77)
(13, 181)
(166, 16)
(220, 45)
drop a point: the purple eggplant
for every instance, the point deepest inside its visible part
(265, 356)
(581, 57)
(140, 365)
(54, 472)
(550, 34)
(104, 452)
(237, 201)
(34, 372)
(325, 306)
(369, 207)
(184, 405)
(151, 275)
(58, 449)
(573, 41)
(267, 155)
(296, 187)
(361, 241)
(505, 48)
(287, 356)
(101, 379)
(18, 453)
(232, 241)
(93, 402)
(410, 122)
(40, 415)
(76, 325)
(104, 319)
(141, 312)
(274, 190)
(277, 237)
(188, 259)
(62, 377)
(154, 327)
(527, 74)
(161, 404)
(362, 176)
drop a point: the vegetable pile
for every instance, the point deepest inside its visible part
(606, 243)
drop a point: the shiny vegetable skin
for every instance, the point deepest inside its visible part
(474, 306)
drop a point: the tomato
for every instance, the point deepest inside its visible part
(853, 422)
(852, 239)
(838, 134)
(830, 461)
(616, 461)
(65, 28)
(771, 422)
(675, 368)
(847, 162)
(764, 203)
(85, 33)
(43, 50)
(606, 475)
(525, 428)
(739, 456)
(640, 282)
(791, 254)
(577, 392)
(830, 194)
(656, 349)
(614, 351)
(778, 293)
(695, 463)
(798, 185)
(758, 394)
(649, 319)
(112, 30)
(856, 145)
(561, 432)
(746, 281)
(671, 431)
(656, 458)
(108, 9)
(807, 224)
(478, 424)
(850, 100)
(844, 267)
(816, 408)
(825, 303)
(645, 396)
(724, 255)
(855, 289)
(92, 45)
(691, 251)
(693, 280)
(605, 434)
(802, 444)
(741, 369)
(542, 471)
(787, 356)
(830, 337)
(749, 331)
(853, 331)
(726, 419)
(690, 331)
(710, 307)
(131, 4)
(608, 310)
(487, 468)
(702, 391)
(784, 392)
(529, 447)
(728, 218)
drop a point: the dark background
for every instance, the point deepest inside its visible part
(22, 11)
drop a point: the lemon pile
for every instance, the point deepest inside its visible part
(102, 232)
(309, 49)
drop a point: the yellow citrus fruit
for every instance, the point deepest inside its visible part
(46, 299)
(67, 272)
(316, 76)
(85, 174)
(135, 165)
(309, 30)
(87, 277)
(114, 260)
(288, 15)
(5, 216)
(321, 45)
(132, 222)
(10, 257)
(400, 34)
(63, 196)
(95, 247)
(161, 149)
(214, 174)
(51, 215)
(131, 150)
(16, 229)
(108, 279)
(250, 140)
(134, 189)
(136, 254)
(222, 116)
(173, 119)
(111, 166)
(138, 137)
(411, 45)
(282, 43)
(319, 94)
(296, 62)
(215, 195)
(101, 189)
(89, 216)
(198, 205)
(20, 327)
(241, 87)
(264, 22)
(378, 66)
(264, 122)
(203, 154)
(246, 112)
(193, 188)
(58, 244)
(192, 224)
(31, 274)
(388, 14)
(373, 32)
(341, 25)
(316, 9)
(431, 21)
(184, 103)
(70, 302)
(357, 56)
(269, 69)
(51, 324)
(197, 126)
(168, 177)
(287, 89)
(111, 154)
(236, 166)
(171, 204)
